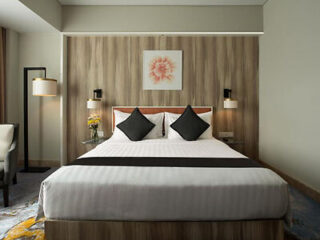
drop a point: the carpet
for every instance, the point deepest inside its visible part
(305, 217)
(23, 200)
(18, 221)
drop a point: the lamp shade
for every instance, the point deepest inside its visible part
(44, 87)
(93, 103)
(230, 103)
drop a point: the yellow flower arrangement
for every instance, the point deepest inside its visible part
(93, 124)
(93, 121)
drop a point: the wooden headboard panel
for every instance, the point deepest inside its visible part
(209, 65)
(153, 110)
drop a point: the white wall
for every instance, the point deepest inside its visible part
(41, 50)
(289, 89)
(162, 19)
(12, 76)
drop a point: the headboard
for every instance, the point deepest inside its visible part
(153, 110)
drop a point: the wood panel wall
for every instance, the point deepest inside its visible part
(210, 64)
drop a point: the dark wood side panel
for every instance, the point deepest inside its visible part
(101, 230)
(210, 64)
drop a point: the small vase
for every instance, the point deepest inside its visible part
(94, 134)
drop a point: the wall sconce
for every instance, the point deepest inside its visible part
(228, 103)
(95, 102)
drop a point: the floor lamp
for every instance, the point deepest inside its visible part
(40, 87)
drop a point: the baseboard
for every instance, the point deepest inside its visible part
(312, 193)
(41, 163)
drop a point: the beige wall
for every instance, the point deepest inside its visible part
(49, 10)
(162, 19)
(12, 77)
(41, 49)
(289, 89)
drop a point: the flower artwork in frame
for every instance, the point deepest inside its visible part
(162, 70)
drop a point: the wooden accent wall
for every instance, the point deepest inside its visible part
(210, 64)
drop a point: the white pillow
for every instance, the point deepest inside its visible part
(156, 119)
(170, 118)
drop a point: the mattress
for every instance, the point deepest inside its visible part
(144, 193)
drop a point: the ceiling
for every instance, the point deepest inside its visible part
(16, 16)
(163, 2)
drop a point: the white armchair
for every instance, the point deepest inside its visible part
(8, 158)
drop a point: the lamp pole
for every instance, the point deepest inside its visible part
(25, 111)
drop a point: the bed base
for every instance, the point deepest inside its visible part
(127, 230)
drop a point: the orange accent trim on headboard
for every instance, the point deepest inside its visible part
(153, 110)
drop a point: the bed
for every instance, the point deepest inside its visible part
(164, 189)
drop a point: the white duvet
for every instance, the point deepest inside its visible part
(163, 193)
(163, 147)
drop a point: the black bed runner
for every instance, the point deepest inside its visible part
(167, 162)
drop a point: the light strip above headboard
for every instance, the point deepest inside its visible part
(158, 109)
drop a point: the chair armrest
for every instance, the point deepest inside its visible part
(13, 146)
(10, 163)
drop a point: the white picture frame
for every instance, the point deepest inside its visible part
(162, 70)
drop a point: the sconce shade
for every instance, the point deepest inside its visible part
(44, 87)
(93, 103)
(230, 103)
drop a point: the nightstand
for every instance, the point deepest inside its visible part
(233, 143)
(90, 144)
(93, 142)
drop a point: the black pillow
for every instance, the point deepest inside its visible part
(189, 125)
(136, 126)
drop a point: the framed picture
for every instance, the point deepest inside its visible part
(162, 70)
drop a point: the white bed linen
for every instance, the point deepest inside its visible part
(163, 147)
(163, 193)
